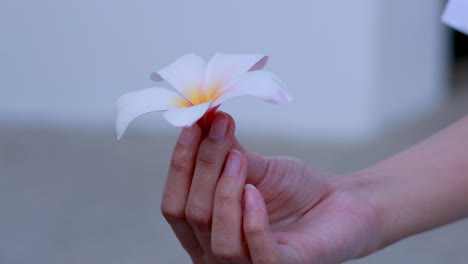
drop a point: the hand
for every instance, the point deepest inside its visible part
(292, 215)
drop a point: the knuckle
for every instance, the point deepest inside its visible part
(225, 199)
(198, 217)
(172, 213)
(179, 163)
(254, 230)
(206, 158)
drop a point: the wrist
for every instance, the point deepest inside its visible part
(362, 187)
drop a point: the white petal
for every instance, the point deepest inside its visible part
(131, 105)
(262, 84)
(187, 116)
(186, 74)
(224, 68)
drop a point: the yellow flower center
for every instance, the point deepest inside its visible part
(196, 95)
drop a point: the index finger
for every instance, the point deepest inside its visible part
(177, 188)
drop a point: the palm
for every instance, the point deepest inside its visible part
(311, 214)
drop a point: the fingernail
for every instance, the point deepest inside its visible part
(219, 127)
(187, 136)
(251, 200)
(233, 164)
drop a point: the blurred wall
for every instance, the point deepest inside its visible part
(353, 66)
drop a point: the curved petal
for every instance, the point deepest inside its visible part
(223, 68)
(131, 105)
(187, 116)
(262, 84)
(186, 74)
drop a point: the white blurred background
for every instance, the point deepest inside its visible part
(354, 67)
(369, 77)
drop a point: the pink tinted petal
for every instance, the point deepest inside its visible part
(262, 84)
(186, 74)
(187, 116)
(131, 105)
(224, 68)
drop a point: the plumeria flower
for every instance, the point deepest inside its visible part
(201, 88)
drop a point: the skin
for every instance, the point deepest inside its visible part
(228, 205)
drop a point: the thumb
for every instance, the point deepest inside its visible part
(257, 164)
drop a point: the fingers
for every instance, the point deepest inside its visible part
(177, 188)
(261, 243)
(209, 164)
(205, 210)
(227, 235)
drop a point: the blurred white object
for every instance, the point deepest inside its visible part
(456, 15)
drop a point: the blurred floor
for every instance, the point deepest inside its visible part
(81, 197)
